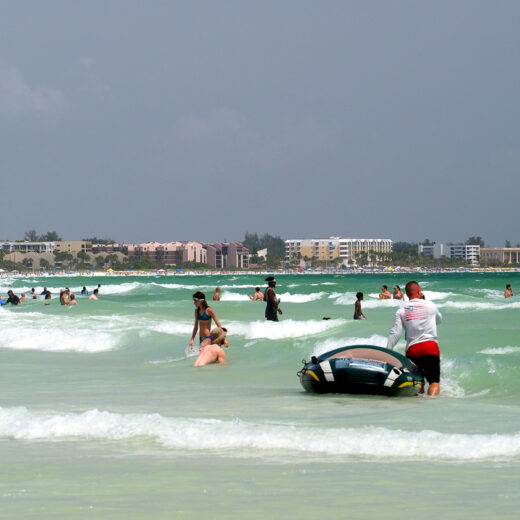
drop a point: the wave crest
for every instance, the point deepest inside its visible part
(223, 437)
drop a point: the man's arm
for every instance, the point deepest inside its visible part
(438, 315)
(272, 298)
(395, 333)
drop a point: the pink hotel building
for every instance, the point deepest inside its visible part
(217, 255)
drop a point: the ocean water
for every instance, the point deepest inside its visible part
(102, 414)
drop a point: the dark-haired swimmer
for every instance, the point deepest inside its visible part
(203, 316)
(12, 298)
(509, 291)
(398, 294)
(385, 293)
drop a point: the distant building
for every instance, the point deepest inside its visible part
(31, 260)
(227, 254)
(469, 252)
(106, 248)
(74, 246)
(26, 247)
(169, 253)
(195, 252)
(145, 251)
(345, 250)
(262, 253)
(499, 255)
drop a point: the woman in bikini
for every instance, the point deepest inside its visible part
(203, 316)
(398, 294)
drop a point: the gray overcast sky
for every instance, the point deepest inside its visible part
(203, 120)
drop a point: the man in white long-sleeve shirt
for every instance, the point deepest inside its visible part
(419, 318)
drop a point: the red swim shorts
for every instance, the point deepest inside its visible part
(425, 348)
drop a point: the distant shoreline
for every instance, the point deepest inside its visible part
(381, 271)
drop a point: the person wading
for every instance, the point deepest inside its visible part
(419, 318)
(272, 308)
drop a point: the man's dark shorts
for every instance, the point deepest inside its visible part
(430, 366)
(426, 356)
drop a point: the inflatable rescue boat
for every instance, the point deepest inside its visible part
(361, 369)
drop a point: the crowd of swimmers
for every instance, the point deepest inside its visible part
(66, 297)
(418, 319)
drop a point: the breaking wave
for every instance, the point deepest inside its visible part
(236, 437)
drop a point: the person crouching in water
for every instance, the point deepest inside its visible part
(203, 316)
(419, 318)
(213, 353)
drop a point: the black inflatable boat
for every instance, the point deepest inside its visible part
(361, 369)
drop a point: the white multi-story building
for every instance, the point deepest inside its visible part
(337, 248)
(470, 252)
(28, 247)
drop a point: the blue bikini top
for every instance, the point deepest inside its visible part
(203, 317)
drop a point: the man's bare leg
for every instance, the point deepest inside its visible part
(434, 389)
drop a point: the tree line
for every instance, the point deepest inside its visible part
(50, 236)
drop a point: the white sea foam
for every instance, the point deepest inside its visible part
(233, 297)
(177, 286)
(376, 302)
(228, 296)
(255, 439)
(105, 289)
(282, 330)
(301, 298)
(490, 293)
(479, 306)
(493, 351)
(169, 327)
(438, 295)
(86, 334)
(451, 374)
(373, 300)
(346, 298)
(200, 287)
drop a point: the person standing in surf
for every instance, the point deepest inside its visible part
(358, 313)
(203, 316)
(272, 308)
(419, 318)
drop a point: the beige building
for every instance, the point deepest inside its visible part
(336, 248)
(74, 247)
(31, 260)
(499, 255)
(308, 248)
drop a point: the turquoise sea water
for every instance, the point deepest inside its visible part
(103, 416)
